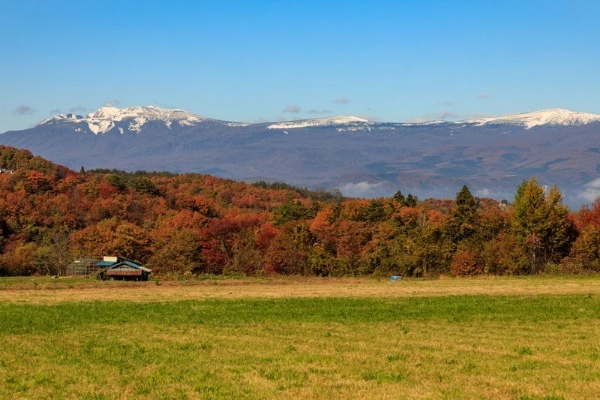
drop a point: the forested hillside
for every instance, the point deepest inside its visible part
(199, 224)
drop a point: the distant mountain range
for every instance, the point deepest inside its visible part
(491, 155)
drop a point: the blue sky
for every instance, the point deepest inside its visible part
(273, 60)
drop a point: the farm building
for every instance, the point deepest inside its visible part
(122, 269)
(109, 268)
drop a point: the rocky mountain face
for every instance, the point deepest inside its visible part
(362, 158)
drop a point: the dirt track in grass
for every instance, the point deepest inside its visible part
(46, 291)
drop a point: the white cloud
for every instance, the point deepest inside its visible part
(591, 191)
(361, 189)
(292, 109)
(24, 110)
(483, 193)
(315, 111)
(341, 100)
(483, 95)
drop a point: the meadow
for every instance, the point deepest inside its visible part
(512, 338)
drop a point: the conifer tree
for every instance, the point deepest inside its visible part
(399, 197)
(464, 219)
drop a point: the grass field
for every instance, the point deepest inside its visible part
(513, 338)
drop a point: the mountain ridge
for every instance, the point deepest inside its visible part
(105, 118)
(369, 159)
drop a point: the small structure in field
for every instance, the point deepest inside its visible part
(122, 269)
(83, 267)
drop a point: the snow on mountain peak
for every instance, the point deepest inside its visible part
(134, 118)
(104, 119)
(305, 123)
(554, 116)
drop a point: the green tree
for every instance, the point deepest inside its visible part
(292, 210)
(541, 225)
(117, 181)
(399, 197)
(145, 186)
(374, 212)
(464, 220)
(405, 201)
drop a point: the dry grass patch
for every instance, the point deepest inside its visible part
(45, 291)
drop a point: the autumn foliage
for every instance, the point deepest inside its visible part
(199, 224)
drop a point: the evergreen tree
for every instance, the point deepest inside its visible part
(405, 201)
(399, 197)
(463, 222)
(411, 201)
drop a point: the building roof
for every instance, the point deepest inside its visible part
(128, 265)
(105, 263)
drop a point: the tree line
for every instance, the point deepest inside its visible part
(200, 224)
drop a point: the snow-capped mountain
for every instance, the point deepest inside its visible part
(554, 116)
(105, 118)
(329, 121)
(491, 155)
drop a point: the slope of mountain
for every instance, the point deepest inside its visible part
(107, 118)
(555, 116)
(491, 155)
(331, 121)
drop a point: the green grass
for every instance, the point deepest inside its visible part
(516, 347)
(25, 318)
